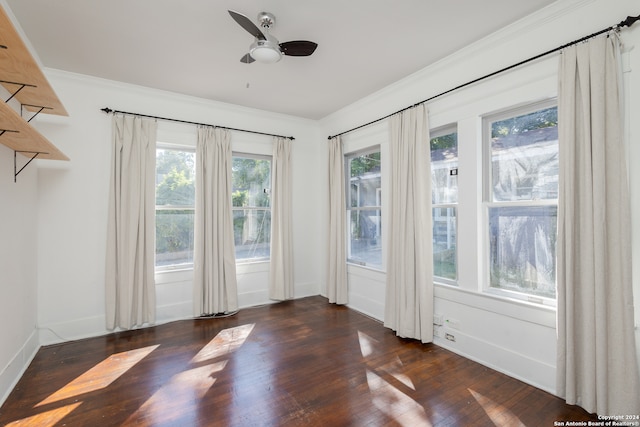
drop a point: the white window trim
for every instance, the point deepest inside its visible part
(256, 260)
(488, 203)
(435, 133)
(347, 175)
(174, 267)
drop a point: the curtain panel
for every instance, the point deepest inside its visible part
(129, 275)
(214, 259)
(337, 289)
(596, 363)
(409, 283)
(281, 285)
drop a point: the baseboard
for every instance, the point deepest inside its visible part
(366, 306)
(306, 290)
(508, 362)
(11, 374)
(54, 333)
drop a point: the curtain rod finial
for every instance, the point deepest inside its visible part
(107, 110)
(629, 21)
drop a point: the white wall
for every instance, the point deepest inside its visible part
(73, 196)
(517, 338)
(18, 269)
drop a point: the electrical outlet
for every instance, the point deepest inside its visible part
(450, 337)
(438, 319)
(437, 331)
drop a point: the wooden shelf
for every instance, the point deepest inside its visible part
(17, 65)
(31, 89)
(23, 138)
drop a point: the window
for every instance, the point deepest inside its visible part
(444, 199)
(521, 195)
(363, 208)
(251, 207)
(175, 199)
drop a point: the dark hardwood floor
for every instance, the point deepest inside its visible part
(297, 363)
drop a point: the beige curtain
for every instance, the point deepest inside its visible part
(596, 366)
(129, 275)
(337, 290)
(281, 274)
(215, 285)
(409, 291)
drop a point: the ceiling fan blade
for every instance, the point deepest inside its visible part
(298, 48)
(247, 25)
(247, 59)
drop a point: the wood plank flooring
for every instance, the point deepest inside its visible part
(297, 363)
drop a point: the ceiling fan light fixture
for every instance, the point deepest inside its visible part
(263, 51)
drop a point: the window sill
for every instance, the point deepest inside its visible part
(365, 267)
(528, 300)
(510, 307)
(251, 262)
(173, 275)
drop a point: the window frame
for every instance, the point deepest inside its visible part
(349, 209)
(172, 267)
(488, 203)
(243, 155)
(435, 133)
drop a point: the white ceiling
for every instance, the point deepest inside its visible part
(193, 47)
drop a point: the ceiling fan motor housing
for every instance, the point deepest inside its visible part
(266, 50)
(266, 19)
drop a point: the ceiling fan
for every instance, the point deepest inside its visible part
(266, 47)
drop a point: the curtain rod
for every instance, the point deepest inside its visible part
(626, 23)
(109, 110)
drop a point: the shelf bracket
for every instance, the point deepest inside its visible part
(22, 86)
(2, 131)
(34, 106)
(16, 172)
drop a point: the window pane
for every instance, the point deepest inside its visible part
(251, 182)
(364, 180)
(444, 169)
(175, 177)
(365, 245)
(522, 249)
(251, 189)
(524, 157)
(252, 233)
(444, 243)
(175, 186)
(174, 238)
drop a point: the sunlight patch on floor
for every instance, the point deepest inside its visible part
(394, 403)
(389, 386)
(393, 368)
(499, 415)
(101, 375)
(45, 419)
(178, 398)
(227, 341)
(366, 344)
